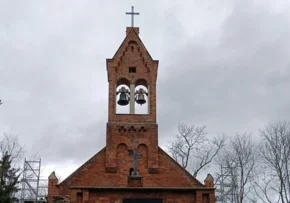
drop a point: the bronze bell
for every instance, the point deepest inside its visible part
(124, 99)
(140, 99)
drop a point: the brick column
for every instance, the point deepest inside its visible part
(212, 197)
(148, 98)
(52, 187)
(209, 182)
(86, 196)
(132, 98)
(198, 197)
(73, 196)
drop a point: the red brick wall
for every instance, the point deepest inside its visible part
(93, 173)
(168, 197)
(52, 189)
(132, 135)
(101, 196)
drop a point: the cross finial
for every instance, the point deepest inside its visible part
(132, 15)
(135, 156)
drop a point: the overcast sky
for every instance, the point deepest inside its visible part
(222, 63)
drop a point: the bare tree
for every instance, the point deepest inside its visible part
(239, 158)
(193, 149)
(10, 144)
(274, 185)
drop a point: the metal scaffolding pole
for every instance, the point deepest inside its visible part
(227, 185)
(33, 187)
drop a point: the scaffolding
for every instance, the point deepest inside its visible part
(227, 185)
(34, 189)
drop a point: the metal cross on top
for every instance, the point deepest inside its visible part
(135, 157)
(132, 15)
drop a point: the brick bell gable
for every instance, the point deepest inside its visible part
(132, 129)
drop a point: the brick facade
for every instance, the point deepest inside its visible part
(106, 176)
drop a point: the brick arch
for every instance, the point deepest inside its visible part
(132, 45)
(121, 147)
(141, 81)
(123, 80)
(132, 42)
(123, 140)
(143, 140)
(142, 145)
(126, 141)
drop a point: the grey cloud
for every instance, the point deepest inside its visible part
(228, 84)
(63, 142)
(231, 77)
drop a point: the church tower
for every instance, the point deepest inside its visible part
(131, 167)
(132, 75)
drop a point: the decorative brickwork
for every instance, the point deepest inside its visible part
(107, 177)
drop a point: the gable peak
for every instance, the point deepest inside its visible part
(133, 29)
(52, 176)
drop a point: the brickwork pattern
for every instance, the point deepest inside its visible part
(117, 196)
(52, 189)
(93, 173)
(132, 136)
(132, 53)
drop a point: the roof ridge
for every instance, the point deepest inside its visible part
(83, 165)
(127, 36)
(180, 167)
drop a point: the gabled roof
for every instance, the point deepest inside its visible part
(181, 168)
(196, 183)
(132, 30)
(82, 166)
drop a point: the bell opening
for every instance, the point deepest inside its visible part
(122, 99)
(141, 99)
